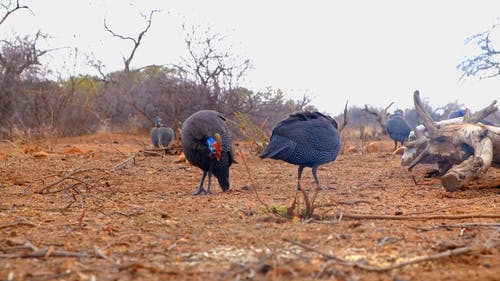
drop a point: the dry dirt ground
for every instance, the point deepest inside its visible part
(75, 214)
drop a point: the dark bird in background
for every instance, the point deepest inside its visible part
(307, 139)
(397, 128)
(458, 113)
(207, 144)
(461, 113)
(161, 134)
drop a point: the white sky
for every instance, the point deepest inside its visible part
(369, 52)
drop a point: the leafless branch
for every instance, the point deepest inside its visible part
(42, 253)
(9, 10)
(429, 217)
(136, 41)
(459, 225)
(65, 177)
(19, 222)
(121, 165)
(381, 116)
(345, 121)
(210, 62)
(448, 253)
(485, 63)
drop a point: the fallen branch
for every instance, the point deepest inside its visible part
(447, 207)
(99, 253)
(121, 165)
(483, 113)
(19, 223)
(65, 177)
(43, 253)
(431, 217)
(312, 249)
(458, 225)
(463, 148)
(448, 253)
(70, 175)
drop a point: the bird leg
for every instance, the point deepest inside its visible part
(200, 189)
(209, 183)
(316, 179)
(299, 176)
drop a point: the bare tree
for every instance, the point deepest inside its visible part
(486, 64)
(9, 9)
(381, 116)
(136, 41)
(212, 63)
(17, 57)
(303, 102)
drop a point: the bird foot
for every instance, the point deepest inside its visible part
(200, 191)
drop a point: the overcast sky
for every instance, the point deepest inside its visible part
(367, 52)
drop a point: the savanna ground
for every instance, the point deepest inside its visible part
(98, 220)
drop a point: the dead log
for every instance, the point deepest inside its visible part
(464, 151)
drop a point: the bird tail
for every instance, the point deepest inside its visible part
(278, 148)
(270, 152)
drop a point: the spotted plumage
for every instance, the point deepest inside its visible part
(207, 144)
(161, 134)
(397, 128)
(306, 139)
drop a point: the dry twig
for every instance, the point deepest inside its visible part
(459, 225)
(254, 186)
(19, 222)
(430, 217)
(448, 253)
(42, 253)
(121, 165)
(67, 176)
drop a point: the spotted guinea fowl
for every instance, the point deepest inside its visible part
(306, 139)
(207, 144)
(161, 134)
(458, 113)
(397, 128)
(461, 113)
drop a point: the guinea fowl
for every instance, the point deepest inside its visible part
(161, 134)
(397, 128)
(458, 113)
(307, 139)
(461, 113)
(207, 144)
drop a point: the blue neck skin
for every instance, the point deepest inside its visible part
(209, 142)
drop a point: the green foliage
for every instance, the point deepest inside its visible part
(279, 210)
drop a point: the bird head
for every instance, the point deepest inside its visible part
(398, 112)
(458, 113)
(214, 146)
(158, 122)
